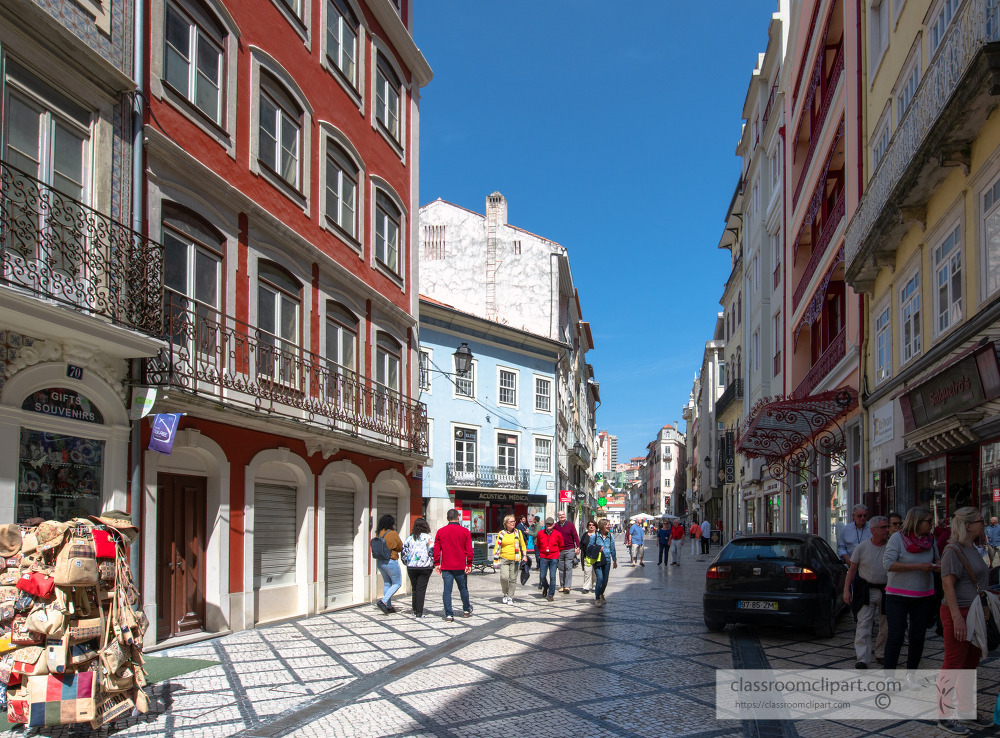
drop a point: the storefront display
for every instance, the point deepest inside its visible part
(990, 478)
(59, 477)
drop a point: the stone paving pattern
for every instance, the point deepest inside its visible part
(643, 665)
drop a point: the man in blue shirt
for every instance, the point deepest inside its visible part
(992, 538)
(663, 539)
(635, 534)
(852, 534)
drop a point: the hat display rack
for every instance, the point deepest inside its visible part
(71, 623)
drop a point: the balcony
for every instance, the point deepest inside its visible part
(733, 392)
(225, 360)
(75, 261)
(819, 120)
(458, 474)
(819, 248)
(952, 102)
(836, 351)
(581, 451)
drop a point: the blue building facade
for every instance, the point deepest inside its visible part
(492, 432)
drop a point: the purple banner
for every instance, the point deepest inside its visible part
(164, 430)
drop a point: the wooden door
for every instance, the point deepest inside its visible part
(180, 541)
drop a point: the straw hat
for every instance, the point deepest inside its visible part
(119, 520)
(50, 534)
(10, 540)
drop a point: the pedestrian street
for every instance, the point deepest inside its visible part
(643, 665)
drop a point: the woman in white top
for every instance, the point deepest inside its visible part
(418, 557)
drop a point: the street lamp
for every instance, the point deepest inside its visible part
(708, 462)
(463, 359)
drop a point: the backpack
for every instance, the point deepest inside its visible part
(380, 549)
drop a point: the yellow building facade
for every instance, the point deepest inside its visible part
(923, 247)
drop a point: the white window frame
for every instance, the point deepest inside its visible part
(989, 209)
(342, 329)
(879, 26)
(939, 21)
(197, 35)
(385, 353)
(910, 310)
(548, 396)
(947, 264)
(882, 325)
(469, 380)
(341, 168)
(516, 446)
(513, 374)
(455, 427)
(340, 17)
(547, 469)
(425, 364)
(273, 110)
(298, 13)
(388, 98)
(289, 347)
(387, 233)
(776, 340)
(906, 87)
(880, 140)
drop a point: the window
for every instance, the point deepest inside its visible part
(280, 132)
(776, 330)
(755, 350)
(776, 256)
(387, 359)
(543, 455)
(948, 281)
(991, 236)
(48, 138)
(543, 395)
(739, 308)
(774, 165)
(387, 228)
(911, 79)
(192, 60)
(941, 18)
(342, 39)
(277, 323)
(880, 142)
(465, 451)
(341, 190)
(755, 273)
(722, 374)
(508, 387)
(909, 310)
(506, 453)
(878, 32)
(465, 386)
(883, 346)
(387, 97)
(433, 239)
(425, 370)
(341, 338)
(192, 267)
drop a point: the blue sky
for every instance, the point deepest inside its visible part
(610, 128)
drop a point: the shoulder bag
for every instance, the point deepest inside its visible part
(380, 549)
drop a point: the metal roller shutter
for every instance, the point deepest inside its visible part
(388, 505)
(340, 531)
(274, 536)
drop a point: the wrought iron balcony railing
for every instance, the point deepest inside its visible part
(836, 351)
(219, 357)
(59, 249)
(976, 24)
(733, 392)
(489, 477)
(820, 248)
(817, 124)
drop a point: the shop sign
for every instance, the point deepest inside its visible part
(749, 492)
(882, 424)
(164, 431)
(772, 488)
(996, 494)
(565, 495)
(462, 495)
(62, 403)
(550, 485)
(963, 385)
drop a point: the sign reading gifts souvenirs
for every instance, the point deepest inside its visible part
(71, 621)
(965, 384)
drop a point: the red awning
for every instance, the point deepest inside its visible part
(780, 430)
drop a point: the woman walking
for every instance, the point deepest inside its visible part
(508, 551)
(418, 557)
(392, 577)
(586, 563)
(910, 557)
(964, 575)
(604, 561)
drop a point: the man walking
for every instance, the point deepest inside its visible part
(548, 544)
(992, 538)
(663, 541)
(636, 533)
(864, 590)
(695, 532)
(851, 535)
(536, 526)
(570, 550)
(453, 560)
(706, 535)
(676, 541)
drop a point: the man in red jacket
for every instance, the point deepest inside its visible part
(569, 552)
(548, 544)
(453, 560)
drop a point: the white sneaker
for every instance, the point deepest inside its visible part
(506, 600)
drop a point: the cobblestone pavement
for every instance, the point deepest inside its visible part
(643, 665)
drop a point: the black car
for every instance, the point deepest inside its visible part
(776, 579)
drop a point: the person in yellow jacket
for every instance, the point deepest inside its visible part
(507, 554)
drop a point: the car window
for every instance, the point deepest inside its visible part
(762, 548)
(826, 552)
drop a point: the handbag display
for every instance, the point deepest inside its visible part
(17, 704)
(22, 635)
(81, 653)
(76, 563)
(29, 660)
(110, 707)
(37, 584)
(104, 544)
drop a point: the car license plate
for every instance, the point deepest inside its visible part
(756, 605)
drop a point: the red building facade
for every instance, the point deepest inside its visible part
(281, 169)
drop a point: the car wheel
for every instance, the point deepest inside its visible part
(715, 624)
(827, 627)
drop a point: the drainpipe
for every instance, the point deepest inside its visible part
(138, 211)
